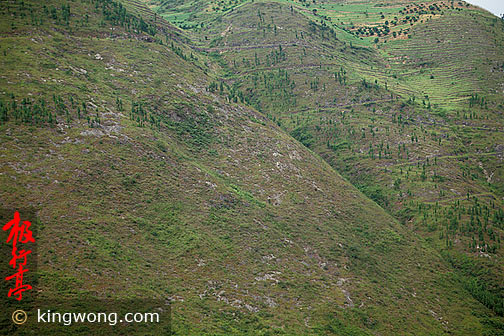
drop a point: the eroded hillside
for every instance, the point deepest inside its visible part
(153, 176)
(404, 99)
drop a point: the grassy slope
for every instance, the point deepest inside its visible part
(197, 199)
(395, 117)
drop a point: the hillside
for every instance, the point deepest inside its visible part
(203, 166)
(404, 99)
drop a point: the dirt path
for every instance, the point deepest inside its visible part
(487, 194)
(250, 47)
(440, 157)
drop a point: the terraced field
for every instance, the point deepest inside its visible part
(468, 70)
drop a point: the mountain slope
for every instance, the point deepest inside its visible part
(149, 181)
(404, 99)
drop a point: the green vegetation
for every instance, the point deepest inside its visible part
(386, 94)
(203, 165)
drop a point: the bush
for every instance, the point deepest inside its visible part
(303, 135)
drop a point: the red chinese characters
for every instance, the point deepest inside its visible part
(19, 233)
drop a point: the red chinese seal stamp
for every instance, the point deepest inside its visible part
(19, 234)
